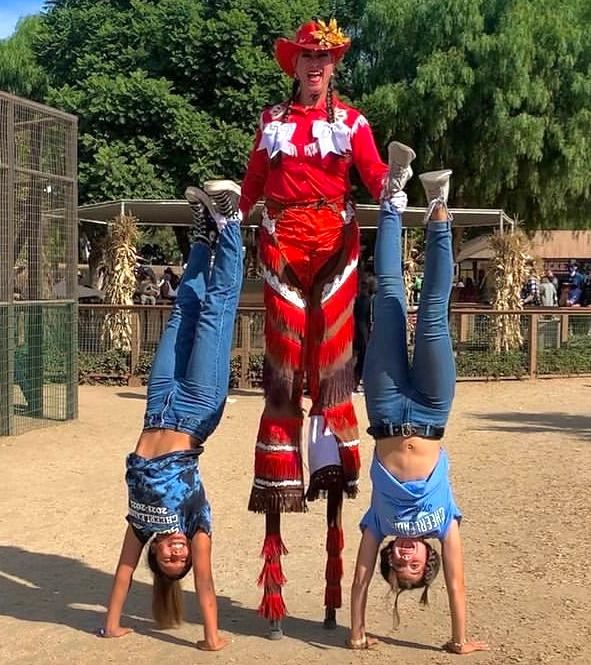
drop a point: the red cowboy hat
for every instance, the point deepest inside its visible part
(312, 36)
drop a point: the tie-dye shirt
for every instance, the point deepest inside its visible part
(166, 495)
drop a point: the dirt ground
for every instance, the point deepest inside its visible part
(521, 464)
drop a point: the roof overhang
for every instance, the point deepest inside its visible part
(175, 212)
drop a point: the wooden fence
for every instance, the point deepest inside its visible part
(547, 333)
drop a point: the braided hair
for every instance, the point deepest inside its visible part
(295, 91)
(330, 102)
(432, 566)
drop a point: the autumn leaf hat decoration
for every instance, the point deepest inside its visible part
(312, 36)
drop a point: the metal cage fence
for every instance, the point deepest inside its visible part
(38, 265)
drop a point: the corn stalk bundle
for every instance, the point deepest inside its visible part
(409, 274)
(509, 272)
(120, 261)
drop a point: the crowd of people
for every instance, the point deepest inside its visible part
(151, 291)
(572, 290)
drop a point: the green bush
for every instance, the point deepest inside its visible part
(255, 371)
(492, 365)
(571, 358)
(235, 370)
(144, 366)
(109, 368)
(112, 367)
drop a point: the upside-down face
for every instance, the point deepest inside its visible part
(172, 552)
(408, 559)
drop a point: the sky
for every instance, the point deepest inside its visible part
(12, 10)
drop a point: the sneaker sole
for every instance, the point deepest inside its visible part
(435, 177)
(194, 194)
(400, 153)
(215, 186)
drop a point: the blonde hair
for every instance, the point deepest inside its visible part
(167, 595)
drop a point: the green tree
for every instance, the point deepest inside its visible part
(167, 92)
(499, 90)
(20, 73)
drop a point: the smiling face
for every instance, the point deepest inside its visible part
(313, 69)
(173, 553)
(408, 559)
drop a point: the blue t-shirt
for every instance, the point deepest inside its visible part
(411, 509)
(166, 495)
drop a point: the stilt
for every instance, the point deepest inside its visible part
(271, 578)
(334, 561)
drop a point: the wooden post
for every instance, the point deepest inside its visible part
(245, 344)
(134, 355)
(533, 346)
(563, 329)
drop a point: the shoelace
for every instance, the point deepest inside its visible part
(394, 179)
(200, 230)
(438, 200)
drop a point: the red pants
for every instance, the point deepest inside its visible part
(310, 259)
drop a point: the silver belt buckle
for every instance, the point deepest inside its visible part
(406, 430)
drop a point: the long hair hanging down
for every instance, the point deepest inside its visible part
(167, 595)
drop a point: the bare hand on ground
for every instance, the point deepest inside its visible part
(366, 642)
(217, 645)
(120, 631)
(467, 647)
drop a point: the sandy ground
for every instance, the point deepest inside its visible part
(521, 463)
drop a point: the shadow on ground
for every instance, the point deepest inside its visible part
(520, 422)
(53, 589)
(132, 395)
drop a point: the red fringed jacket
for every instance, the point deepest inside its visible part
(315, 156)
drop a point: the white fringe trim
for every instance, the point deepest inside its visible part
(286, 292)
(266, 484)
(332, 287)
(272, 448)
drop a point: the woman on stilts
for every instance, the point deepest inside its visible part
(309, 245)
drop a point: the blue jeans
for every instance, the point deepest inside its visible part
(190, 375)
(397, 393)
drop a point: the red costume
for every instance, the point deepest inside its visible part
(309, 247)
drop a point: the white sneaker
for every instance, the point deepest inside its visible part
(399, 158)
(436, 186)
(225, 195)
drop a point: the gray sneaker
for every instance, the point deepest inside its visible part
(225, 195)
(399, 158)
(436, 186)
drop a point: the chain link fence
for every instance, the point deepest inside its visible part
(38, 265)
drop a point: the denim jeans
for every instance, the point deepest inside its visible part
(190, 375)
(396, 392)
